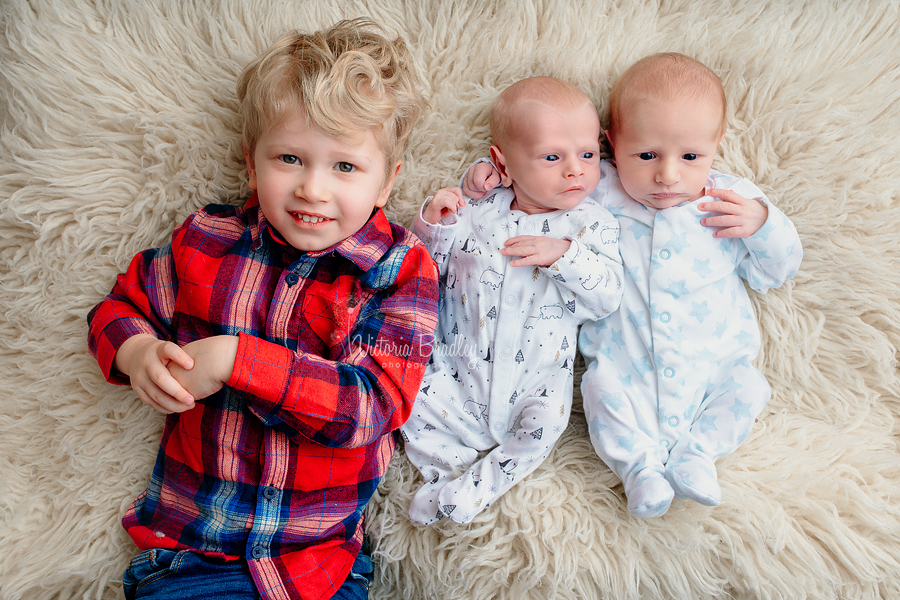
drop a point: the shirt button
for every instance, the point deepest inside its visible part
(529, 226)
(506, 352)
(673, 421)
(669, 372)
(270, 493)
(665, 317)
(498, 426)
(510, 300)
(292, 278)
(257, 552)
(664, 254)
(159, 534)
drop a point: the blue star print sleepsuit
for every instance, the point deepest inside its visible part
(501, 372)
(669, 385)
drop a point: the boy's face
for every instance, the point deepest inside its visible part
(552, 158)
(314, 189)
(665, 148)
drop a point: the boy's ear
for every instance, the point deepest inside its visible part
(386, 189)
(251, 169)
(610, 140)
(502, 167)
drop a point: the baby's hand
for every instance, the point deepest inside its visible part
(480, 179)
(446, 201)
(740, 217)
(146, 360)
(213, 362)
(535, 250)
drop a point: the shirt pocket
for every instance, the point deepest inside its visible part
(331, 317)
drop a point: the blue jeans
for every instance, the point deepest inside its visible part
(170, 575)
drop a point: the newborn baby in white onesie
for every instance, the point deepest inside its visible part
(501, 374)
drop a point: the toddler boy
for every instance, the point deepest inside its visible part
(282, 338)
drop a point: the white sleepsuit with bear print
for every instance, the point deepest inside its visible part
(501, 373)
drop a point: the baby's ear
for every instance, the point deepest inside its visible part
(608, 139)
(502, 169)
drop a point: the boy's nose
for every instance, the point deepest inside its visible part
(312, 188)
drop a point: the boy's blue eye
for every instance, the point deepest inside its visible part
(646, 156)
(289, 159)
(689, 156)
(587, 155)
(551, 157)
(345, 167)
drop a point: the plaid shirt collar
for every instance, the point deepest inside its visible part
(364, 248)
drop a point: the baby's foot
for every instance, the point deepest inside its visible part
(649, 494)
(461, 499)
(693, 476)
(424, 508)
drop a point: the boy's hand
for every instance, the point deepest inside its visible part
(146, 360)
(740, 217)
(446, 201)
(480, 179)
(535, 250)
(213, 359)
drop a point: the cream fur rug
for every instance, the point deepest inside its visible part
(118, 119)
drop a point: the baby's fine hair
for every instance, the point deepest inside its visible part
(346, 79)
(665, 75)
(503, 115)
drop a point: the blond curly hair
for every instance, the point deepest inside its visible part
(346, 79)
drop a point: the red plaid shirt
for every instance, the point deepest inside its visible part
(278, 466)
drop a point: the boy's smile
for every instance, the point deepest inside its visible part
(314, 189)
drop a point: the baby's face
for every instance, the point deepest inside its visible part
(664, 149)
(552, 158)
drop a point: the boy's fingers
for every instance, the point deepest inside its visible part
(176, 354)
(169, 387)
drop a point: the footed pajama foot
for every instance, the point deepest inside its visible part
(693, 476)
(424, 508)
(461, 499)
(648, 493)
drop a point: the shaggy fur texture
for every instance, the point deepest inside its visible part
(118, 120)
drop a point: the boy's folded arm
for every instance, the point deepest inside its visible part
(369, 391)
(139, 303)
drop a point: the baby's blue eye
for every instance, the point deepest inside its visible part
(587, 155)
(689, 156)
(646, 156)
(551, 157)
(345, 167)
(289, 159)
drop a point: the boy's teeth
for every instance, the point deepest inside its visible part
(310, 219)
